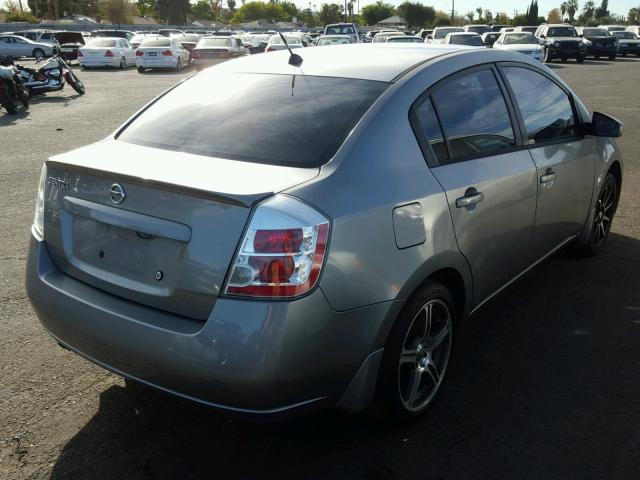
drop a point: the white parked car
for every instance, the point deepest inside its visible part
(213, 50)
(464, 38)
(634, 29)
(161, 52)
(325, 40)
(276, 43)
(107, 52)
(15, 46)
(523, 42)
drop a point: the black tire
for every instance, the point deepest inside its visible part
(547, 56)
(38, 53)
(141, 70)
(563, 59)
(123, 63)
(596, 57)
(624, 54)
(8, 101)
(413, 369)
(580, 59)
(178, 65)
(24, 98)
(600, 226)
(75, 83)
(612, 58)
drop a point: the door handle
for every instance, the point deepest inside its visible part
(550, 176)
(469, 199)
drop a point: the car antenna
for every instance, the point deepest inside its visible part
(294, 59)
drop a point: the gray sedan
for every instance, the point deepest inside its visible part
(268, 238)
(15, 46)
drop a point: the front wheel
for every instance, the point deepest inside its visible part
(8, 100)
(123, 63)
(417, 354)
(178, 65)
(612, 58)
(580, 59)
(38, 53)
(141, 70)
(605, 209)
(75, 83)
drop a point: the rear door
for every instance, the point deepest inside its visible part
(565, 160)
(467, 128)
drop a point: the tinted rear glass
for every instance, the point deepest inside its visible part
(215, 42)
(471, 40)
(288, 120)
(340, 30)
(102, 43)
(160, 42)
(596, 32)
(442, 32)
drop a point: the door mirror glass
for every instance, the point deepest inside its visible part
(605, 126)
(542, 36)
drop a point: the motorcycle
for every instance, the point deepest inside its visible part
(50, 76)
(12, 89)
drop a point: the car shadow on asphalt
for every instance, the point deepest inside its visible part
(543, 384)
(7, 119)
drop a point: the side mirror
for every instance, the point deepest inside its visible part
(542, 36)
(429, 37)
(605, 126)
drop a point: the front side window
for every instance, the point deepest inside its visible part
(473, 115)
(544, 106)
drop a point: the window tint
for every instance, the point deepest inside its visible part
(474, 115)
(430, 127)
(294, 120)
(545, 107)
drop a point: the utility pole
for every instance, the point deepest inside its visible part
(453, 9)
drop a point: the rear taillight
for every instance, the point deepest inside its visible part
(108, 53)
(269, 49)
(194, 54)
(283, 251)
(167, 53)
(38, 218)
(225, 55)
(139, 53)
(80, 53)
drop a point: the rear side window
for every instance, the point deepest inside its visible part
(544, 106)
(430, 126)
(288, 120)
(473, 116)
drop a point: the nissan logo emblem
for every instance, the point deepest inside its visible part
(117, 194)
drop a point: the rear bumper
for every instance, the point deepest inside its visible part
(160, 62)
(251, 357)
(101, 62)
(629, 49)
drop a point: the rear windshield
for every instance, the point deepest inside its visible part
(627, 35)
(215, 42)
(340, 30)
(519, 38)
(471, 40)
(277, 40)
(156, 42)
(596, 32)
(102, 43)
(442, 32)
(290, 120)
(333, 41)
(404, 40)
(478, 29)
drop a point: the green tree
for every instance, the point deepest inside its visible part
(16, 15)
(290, 9)
(260, 11)
(479, 11)
(633, 17)
(588, 13)
(417, 14)
(373, 13)
(488, 16)
(201, 10)
(572, 8)
(555, 16)
(232, 5)
(147, 8)
(563, 9)
(174, 12)
(603, 10)
(442, 19)
(330, 13)
(116, 11)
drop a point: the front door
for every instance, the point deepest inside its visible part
(490, 183)
(564, 160)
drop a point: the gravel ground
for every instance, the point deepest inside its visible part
(544, 383)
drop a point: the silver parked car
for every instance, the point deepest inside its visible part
(16, 46)
(266, 238)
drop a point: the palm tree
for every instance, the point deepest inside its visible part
(563, 9)
(479, 12)
(572, 8)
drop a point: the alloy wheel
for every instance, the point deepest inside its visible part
(424, 355)
(604, 214)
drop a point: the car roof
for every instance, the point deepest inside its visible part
(464, 34)
(380, 62)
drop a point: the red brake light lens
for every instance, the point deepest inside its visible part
(167, 53)
(139, 53)
(108, 53)
(282, 253)
(194, 54)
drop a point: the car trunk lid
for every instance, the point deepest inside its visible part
(155, 227)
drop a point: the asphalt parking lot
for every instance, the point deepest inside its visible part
(545, 382)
